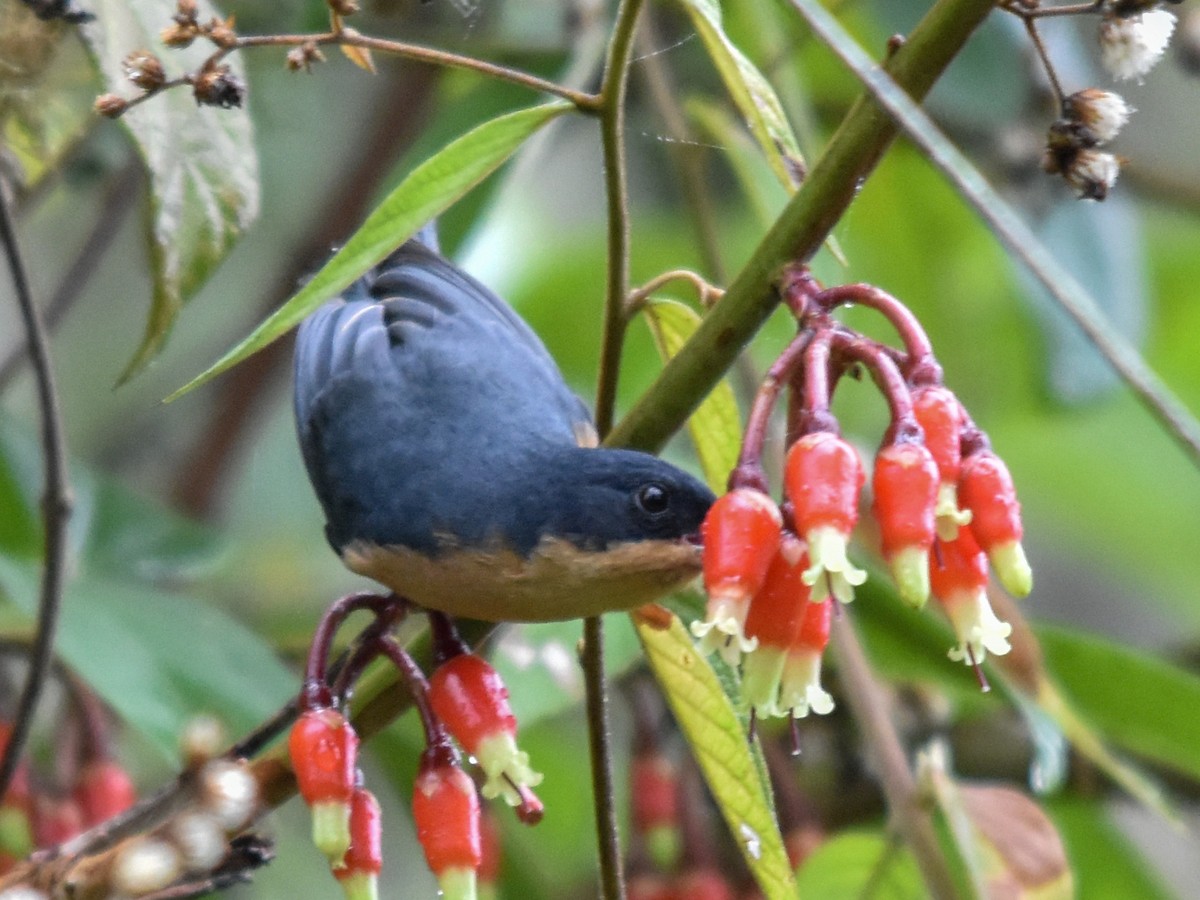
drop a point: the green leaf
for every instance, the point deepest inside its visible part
(1141, 703)
(20, 529)
(1106, 866)
(159, 658)
(112, 530)
(859, 864)
(751, 92)
(204, 188)
(46, 93)
(715, 426)
(719, 744)
(428, 190)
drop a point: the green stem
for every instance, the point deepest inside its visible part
(612, 136)
(831, 185)
(870, 710)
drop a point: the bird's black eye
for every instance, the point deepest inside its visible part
(653, 498)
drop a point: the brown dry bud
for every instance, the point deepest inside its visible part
(216, 85)
(110, 105)
(186, 9)
(221, 33)
(177, 35)
(145, 70)
(343, 7)
(302, 58)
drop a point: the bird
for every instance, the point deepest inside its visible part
(456, 467)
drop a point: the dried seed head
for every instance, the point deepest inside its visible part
(186, 10)
(216, 85)
(179, 35)
(144, 69)
(1125, 9)
(221, 33)
(1092, 174)
(1102, 113)
(302, 58)
(110, 105)
(203, 738)
(1130, 47)
(146, 864)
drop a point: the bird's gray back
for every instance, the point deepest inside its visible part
(419, 393)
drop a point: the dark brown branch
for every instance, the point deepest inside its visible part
(56, 500)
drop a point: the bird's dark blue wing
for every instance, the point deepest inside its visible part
(419, 397)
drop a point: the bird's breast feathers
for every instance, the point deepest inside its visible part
(558, 580)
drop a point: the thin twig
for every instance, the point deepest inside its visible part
(1004, 222)
(114, 206)
(348, 37)
(612, 134)
(56, 500)
(870, 710)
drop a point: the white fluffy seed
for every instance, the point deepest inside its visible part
(229, 793)
(1129, 48)
(200, 839)
(145, 865)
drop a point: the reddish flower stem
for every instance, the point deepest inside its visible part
(814, 413)
(438, 748)
(749, 471)
(886, 374)
(447, 643)
(921, 367)
(315, 693)
(972, 439)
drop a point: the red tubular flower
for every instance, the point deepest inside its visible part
(776, 615)
(741, 534)
(103, 790)
(703, 883)
(905, 485)
(55, 820)
(800, 688)
(958, 574)
(940, 416)
(324, 751)
(654, 796)
(987, 491)
(446, 813)
(823, 477)
(470, 698)
(359, 872)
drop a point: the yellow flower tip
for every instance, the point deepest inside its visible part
(830, 571)
(360, 886)
(910, 569)
(979, 631)
(949, 517)
(1012, 568)
(505, 766)
(664, 846)
(800, 690)
(761, 673)
(331, 830)
(458, 883)
(723, 631)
